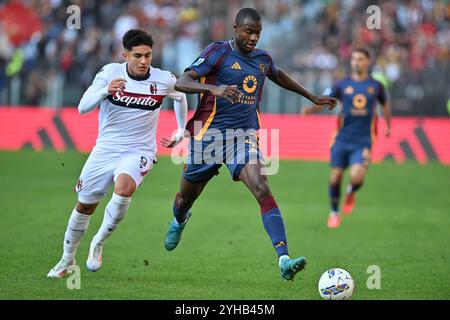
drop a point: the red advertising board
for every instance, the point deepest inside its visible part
(300, 137)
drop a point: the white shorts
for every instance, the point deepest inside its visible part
(102, 169)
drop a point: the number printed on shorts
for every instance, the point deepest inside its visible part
(143, 162)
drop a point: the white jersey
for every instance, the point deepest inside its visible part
(128, 120)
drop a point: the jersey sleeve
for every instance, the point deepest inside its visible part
(97, 91)
(273, 69)
(208, 60)
(333, 91)
(173, 94)
(382, 94)
(103, 76)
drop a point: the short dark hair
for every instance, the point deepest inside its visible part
(247, 12)
(362, 50)
(136, 37)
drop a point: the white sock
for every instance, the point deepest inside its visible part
(349, 189)
(76, 228)
(182, 223)
(283, 257)
(114, 213)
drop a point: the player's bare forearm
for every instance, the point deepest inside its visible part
(311, 109)
(188, 83)
(284, 80)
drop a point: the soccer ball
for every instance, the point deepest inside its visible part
(336, 284)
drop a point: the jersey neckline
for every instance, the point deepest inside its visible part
(136, 77)
(369, 78)
(236, 51)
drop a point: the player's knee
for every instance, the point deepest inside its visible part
(125, 189)
(85, 208)
(335, 180)
(334, 183)
(357, 180)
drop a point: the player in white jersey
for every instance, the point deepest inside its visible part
(129, 95)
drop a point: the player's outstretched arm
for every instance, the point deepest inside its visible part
(387, 113)
(188, 83)
(180, 107)
(285, 81)
(97, 92)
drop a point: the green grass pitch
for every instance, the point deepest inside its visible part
(401, 224)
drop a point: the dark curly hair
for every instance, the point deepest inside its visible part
(135, 37)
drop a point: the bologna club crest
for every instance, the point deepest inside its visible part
(153, 88)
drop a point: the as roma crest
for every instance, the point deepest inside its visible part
(262, 68)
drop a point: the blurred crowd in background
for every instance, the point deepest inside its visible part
(44, 63)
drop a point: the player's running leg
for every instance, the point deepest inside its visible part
(115, 211)
(357, 174)
(334, 190)
(257, 183)
(76, 228)
(184, 199)
(128, 174)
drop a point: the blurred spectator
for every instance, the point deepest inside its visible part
(311, 38)
(34, 89)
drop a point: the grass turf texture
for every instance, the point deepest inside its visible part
(401, 223)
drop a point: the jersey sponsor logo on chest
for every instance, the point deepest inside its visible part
(136, 101)
(359, 103)
(250, 83)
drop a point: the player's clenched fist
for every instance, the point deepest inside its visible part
(117, 85)
(170, 143)
(231, 93)
(325, 100)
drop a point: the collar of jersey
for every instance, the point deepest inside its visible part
(248, 55)
(138, 78)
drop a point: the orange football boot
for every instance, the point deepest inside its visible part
(334, 221)
(349, 204)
